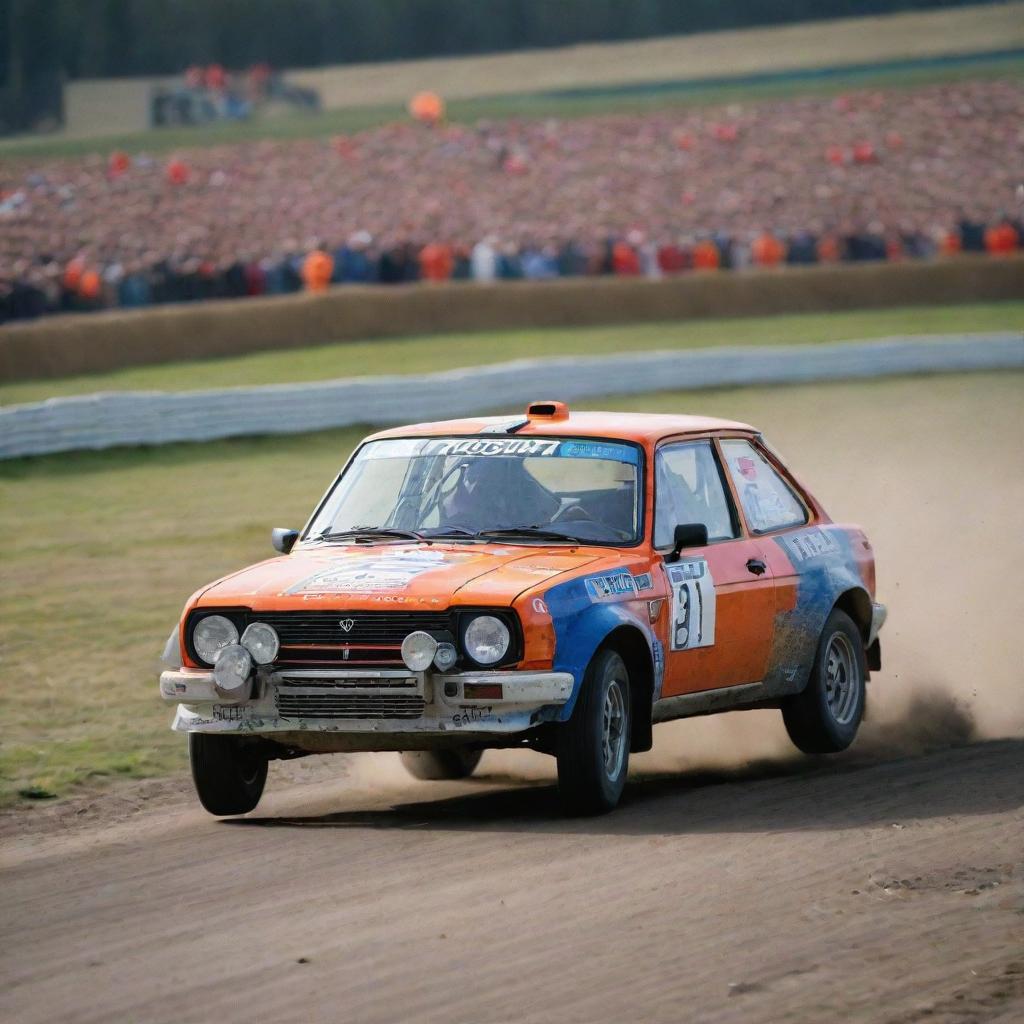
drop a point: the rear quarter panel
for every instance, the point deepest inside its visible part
(813, 567)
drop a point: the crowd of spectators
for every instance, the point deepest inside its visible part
(901, 174)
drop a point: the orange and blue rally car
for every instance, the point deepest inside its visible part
(561, 581)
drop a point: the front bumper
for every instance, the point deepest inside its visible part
(369, 702)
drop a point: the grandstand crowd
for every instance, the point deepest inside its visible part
(873, 175)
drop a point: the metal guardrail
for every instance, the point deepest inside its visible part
(155, 417)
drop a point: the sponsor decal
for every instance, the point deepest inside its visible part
(611, 586)
(374, 573)
(522, 446)
(693, 604)
(810, 544)
(643, 582)
(599, 450)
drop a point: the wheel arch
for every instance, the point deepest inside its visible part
(633, 647)
(856, 602)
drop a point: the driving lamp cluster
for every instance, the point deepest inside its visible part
(216, 640)
(486, 640)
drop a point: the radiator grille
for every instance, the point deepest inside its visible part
(386, 628)
(337, 703)
(375, 637)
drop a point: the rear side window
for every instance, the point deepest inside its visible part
(768, 501)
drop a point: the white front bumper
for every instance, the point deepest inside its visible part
(361, 701)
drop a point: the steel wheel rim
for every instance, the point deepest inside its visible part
(613, 731)
(842, 682)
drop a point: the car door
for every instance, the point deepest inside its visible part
(721, 603)
(774, 511)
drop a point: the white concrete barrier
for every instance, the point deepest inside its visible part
(156, 417)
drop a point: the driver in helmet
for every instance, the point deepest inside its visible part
(494, 493)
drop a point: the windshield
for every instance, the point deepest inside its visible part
(578, 489)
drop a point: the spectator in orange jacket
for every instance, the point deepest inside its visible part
(625, 260)
(90, 288)
(436, 262)
(1000, 239)
(767, 251)
(317, 269)
(706, 255)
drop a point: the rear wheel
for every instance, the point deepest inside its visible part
(431, 765)
(824, 718)
(593, 746)
(229, 774)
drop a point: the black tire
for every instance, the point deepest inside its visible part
(435, 765)
(591, 776)
(229, 774)
(824, 718)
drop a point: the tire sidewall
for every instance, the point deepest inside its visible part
(608, 667)
(841, 735)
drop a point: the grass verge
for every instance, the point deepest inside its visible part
(428, 353)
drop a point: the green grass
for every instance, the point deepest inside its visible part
(423, 354)
(580, 103)
(100, 551)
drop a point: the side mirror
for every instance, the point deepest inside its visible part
(282, 539)
(688, 535)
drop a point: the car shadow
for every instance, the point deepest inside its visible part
(801, 794)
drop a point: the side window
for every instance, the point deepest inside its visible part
(689, 489)
(767, 500)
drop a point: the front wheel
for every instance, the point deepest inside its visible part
(229, 774)
(593, 746)
(431, 765)
(824, 718)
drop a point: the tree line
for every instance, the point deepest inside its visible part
(101, 38)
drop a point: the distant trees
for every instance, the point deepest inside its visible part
(41, 40)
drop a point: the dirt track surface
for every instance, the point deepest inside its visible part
(869, 891)
(738, 882)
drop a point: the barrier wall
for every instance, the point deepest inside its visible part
(61, 346)
(131, 418)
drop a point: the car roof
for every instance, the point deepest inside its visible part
(630, 426)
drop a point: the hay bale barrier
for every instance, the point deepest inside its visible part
(64, 346)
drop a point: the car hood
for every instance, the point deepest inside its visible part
(362, 576)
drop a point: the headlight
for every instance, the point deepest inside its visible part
(486, 639)
(261, 641)
(231, 673)
(446, 656)
(211, 634)
(418, 651)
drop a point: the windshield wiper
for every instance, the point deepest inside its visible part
(369, 531)
(541, 532)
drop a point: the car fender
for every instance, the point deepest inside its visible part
(584, 615)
